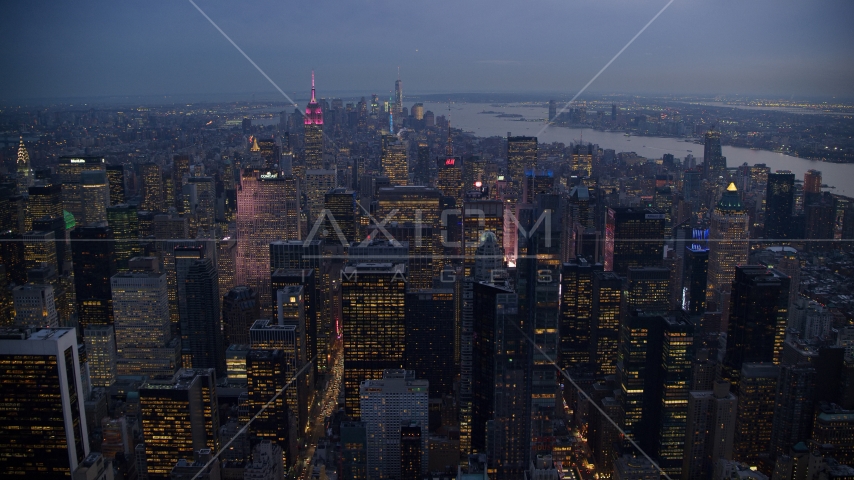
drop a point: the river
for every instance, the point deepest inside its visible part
(467, 116)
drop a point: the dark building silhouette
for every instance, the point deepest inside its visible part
(206, 347)
(575, 312)
(410, 451)
(634, 237)
(307, 278)
(240, 309)
(430, 338)
(714, 163)
(779, 204)
(694, 279)
(124, 222)
(265, 376)
(758, 318)
(94, 258)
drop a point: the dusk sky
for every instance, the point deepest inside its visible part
(88, 49)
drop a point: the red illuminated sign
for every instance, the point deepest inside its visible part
(450, 161)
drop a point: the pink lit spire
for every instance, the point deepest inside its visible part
(313, 112)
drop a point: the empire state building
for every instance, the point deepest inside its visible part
(313, 132)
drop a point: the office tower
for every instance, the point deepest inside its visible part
(307, 279)
(521, 158)
(43, 201)
(394, 162)
(500, 371)
(582, 159)
(95, 195)
(373, 298)
(633, 238)
(100, 341)
(449, 178)
(341, 205)
(812, 184)
(153, 198)
(354, 446)
(552, 111)
(755, 411)
(40, 250)
(34, 306)
(180, 170)
(43, 432)
(24, 169)
(144, 340)
(398, 94)
(203, 320)
(68, 174)
(795, 398)
(710, 429)
(481, 218)
(317, 184)
(422, 162)
(182, 257)
(833, 426)
(93, 256)
(411, 452)
(728, 246)
(268, 210)
(714, 163)
(430, 338)
(313, 132)
(265, 376)
(576, 311)
(203, 211)
(168, 226)
(607, 295)
(178, 416)
(270, 153)
(124, 221)
(757, 320)
(779, 205)
(395, 400)
(821, 214)
(654, 372)
(226, 258)
(116, 181)
(240, 309)
(648, 290)
(695, 267)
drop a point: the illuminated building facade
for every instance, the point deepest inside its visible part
(43, 432)
(313, 124)
(373, 307)
(100, 341)
(43, 201)
(40, 250)
(124, 222)
(755, 411)
(116, 182)
(394, 160)
(648, 290)
(714, 163)
(144, 339)
(178, 416)
(265, 376)
(268, 210)
(575, 312)
(317, 184)
(34, 306)
(153, 198)
(226, 258)
(68, 173)
(634, 237)
(449, 179)
(710, 429)
(95, 194)
(315, 341)
(521, 158)
(394, 400)
(479, 217)
(605, 321)
(728, 247)
(582, 159)
(24, 169)
(341, 205)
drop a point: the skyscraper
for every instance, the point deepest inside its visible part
(153, 198)
(124, 222)
(779, 205)
(607, 295)
(398, 399)
(317, 184)
(240, 309)
(268, 210)
(521, 157)
(45, 201)
(755, 411)
(178, 416)
(313, 125)
(93, 255)
(728, 247)
(449, 179)
(341, 205)
(100, 341)
(116, 181)
(430, 338)
(695, 278)
(203, 319)
(144, 339)
(43, 432)
(394, 162)
(34, 306)
(68, 173)
(757, 320)
(576, 311)
(714, 163)
(373, 303)
(633, 238)
(265, 375)
(710, 429)
(25, 170)
(582, 159)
